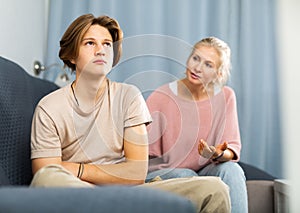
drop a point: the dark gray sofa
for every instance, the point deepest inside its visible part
(19, 94)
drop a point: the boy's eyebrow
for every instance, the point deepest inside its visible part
(91, 38)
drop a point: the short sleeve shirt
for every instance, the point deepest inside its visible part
(61, 129)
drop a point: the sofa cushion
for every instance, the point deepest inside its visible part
(19, 94)
(254, 173)
(116, 199)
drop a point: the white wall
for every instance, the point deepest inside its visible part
(23, 31)
(289, 51)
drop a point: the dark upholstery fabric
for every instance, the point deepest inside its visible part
(3, 179)
(253, 173)
(115, 199)
(19, 94)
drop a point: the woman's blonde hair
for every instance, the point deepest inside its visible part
(225, 57)
(70, 42)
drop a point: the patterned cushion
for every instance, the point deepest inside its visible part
(19, 94)
(3, 179)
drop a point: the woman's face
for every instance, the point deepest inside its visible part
(95, 52)
(202, 65)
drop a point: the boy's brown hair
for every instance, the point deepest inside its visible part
(70, 42)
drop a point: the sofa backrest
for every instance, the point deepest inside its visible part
(19, 95)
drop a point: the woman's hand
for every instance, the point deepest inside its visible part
(211, 151)
(205, 150)
(220, 148)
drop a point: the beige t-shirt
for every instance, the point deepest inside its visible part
(61, 129)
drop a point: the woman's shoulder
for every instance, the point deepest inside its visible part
(229, 91)
(160, 98)
(163, 90)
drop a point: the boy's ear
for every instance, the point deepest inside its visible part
(72, 61)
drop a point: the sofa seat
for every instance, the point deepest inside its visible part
(110, 199)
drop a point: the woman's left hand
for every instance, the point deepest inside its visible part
(220, 148)
(211, 151)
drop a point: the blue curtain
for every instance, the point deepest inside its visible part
(158, 36)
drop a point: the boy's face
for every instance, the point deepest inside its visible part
(95, 52)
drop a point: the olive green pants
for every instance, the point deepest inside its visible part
(209, 194)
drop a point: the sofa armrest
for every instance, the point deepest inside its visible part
(281, 195)
(260, 196)
(99, 199)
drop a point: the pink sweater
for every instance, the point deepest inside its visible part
(179, 124)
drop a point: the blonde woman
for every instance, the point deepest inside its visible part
(195, 129)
